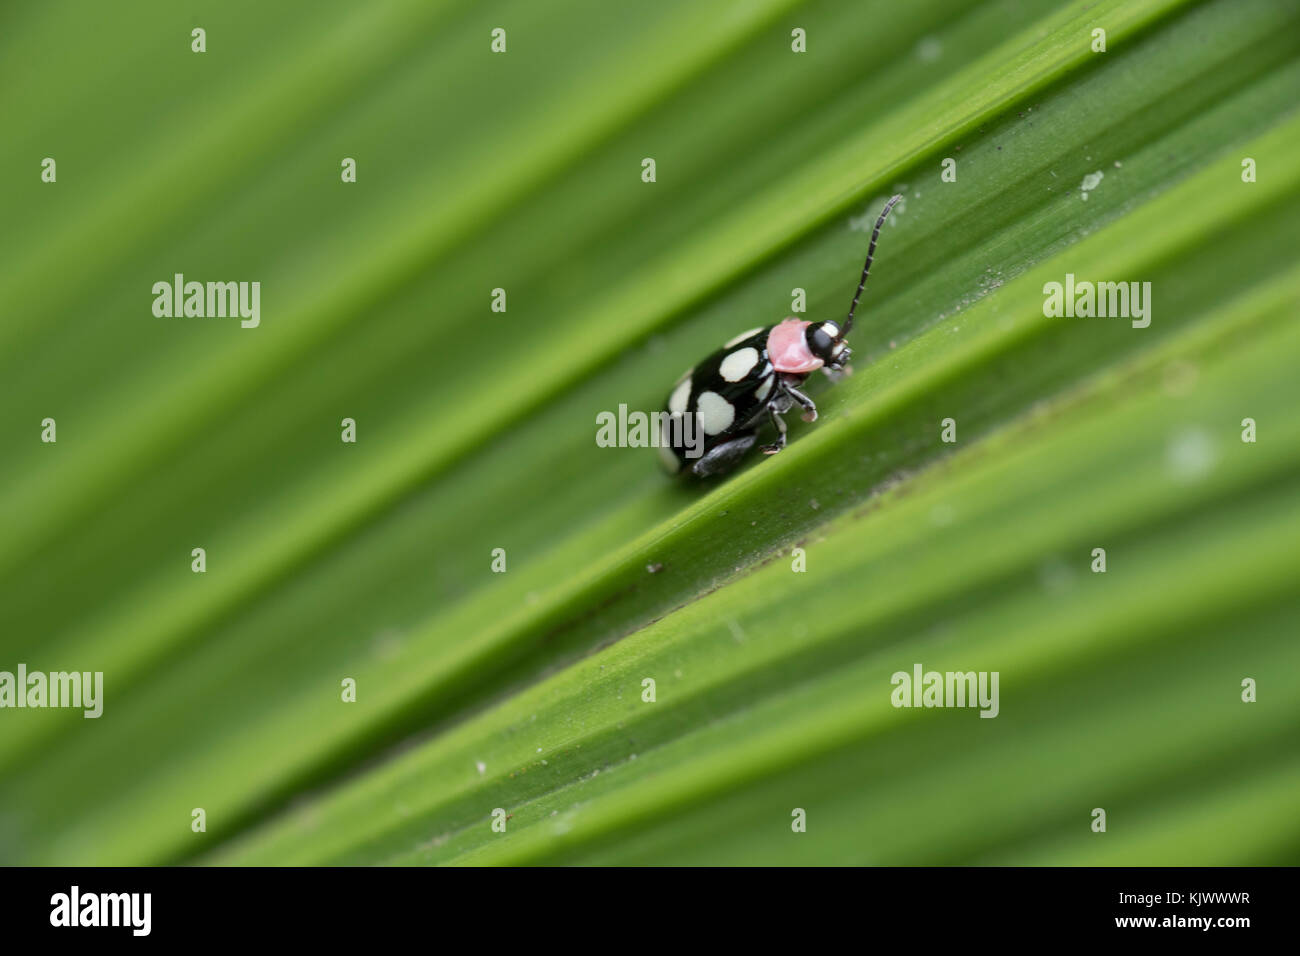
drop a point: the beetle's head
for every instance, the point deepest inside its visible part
(826, 341)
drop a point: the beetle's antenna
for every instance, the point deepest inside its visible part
(871, 251)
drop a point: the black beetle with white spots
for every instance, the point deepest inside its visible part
(755, 376)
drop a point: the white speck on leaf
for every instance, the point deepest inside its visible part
(1056, 576)
(1091, 182)
(929, 49)
(1191, 455)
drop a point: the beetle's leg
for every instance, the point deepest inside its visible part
(806, 403)
(776, 446)
(836, 375)
(722, 458)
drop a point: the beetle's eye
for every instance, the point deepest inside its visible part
(820, 342)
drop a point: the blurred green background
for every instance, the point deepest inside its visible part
(522, 690)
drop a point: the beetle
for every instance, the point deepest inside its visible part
(755, 375)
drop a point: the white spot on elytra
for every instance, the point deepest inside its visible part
(738, 364)
(741, 337)
(716, 413)
(680, 396)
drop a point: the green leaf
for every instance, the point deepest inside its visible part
(523, 691)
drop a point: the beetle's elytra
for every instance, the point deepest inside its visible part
(756, 375)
